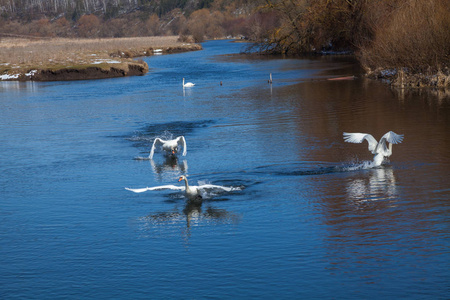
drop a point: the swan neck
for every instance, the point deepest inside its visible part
(390, 148)
(186, 184)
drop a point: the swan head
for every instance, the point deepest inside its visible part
(174, 150)
(182, 177)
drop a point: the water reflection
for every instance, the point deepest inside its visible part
(12, 86)
(432, 97)
(187, 92)
(168, 167)
(171, 165)
(191, 215)
(380, 185)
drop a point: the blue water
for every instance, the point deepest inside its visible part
(309, 222)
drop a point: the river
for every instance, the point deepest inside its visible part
(308, 219)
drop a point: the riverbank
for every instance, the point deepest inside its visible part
(402, 78)
(24, 59)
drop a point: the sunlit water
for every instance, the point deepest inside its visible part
(311, 220)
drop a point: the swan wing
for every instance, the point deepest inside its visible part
(167, 187)
(392, 137)
(182, 142)
(156, 142)
(138, 190)
(359, 138)
(218, 187)
(157, 188)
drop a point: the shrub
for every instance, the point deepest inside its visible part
(416, 35)
(88, 26)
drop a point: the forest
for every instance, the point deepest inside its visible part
(409, 34)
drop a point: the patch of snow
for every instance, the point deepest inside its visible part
(7, 76)
(157, 50)
(109, 61)
(31, 73)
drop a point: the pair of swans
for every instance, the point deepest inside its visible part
(379, 149)
(192, 192)
(171, 148)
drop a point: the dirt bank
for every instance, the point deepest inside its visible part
(107, 71)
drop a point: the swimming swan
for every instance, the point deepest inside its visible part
(378, 148)
(188, 84)
(192, 192)
(169, 146)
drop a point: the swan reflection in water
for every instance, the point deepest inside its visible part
(169, 168)
(191, 215)
(380, 185)
(166, 167)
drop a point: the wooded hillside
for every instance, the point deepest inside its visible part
(126, 18)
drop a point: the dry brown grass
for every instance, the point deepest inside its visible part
(26, 53)
(415, 36)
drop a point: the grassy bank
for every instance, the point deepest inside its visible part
(28, 59)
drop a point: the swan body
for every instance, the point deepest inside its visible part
(191, 192)
(379, 149)
(188, 84)
(170, 146)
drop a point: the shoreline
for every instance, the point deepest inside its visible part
(402, 78)
(82, 59)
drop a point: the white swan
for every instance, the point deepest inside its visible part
(188, 84)
(192, 192)
(169, 146)
(378, 148)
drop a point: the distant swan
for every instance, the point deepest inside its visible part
(188, 84)
(192, 192)
(169, 146)
(378, 148)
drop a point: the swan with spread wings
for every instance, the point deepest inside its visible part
(380, 149)
(191, 191)
(170, 147)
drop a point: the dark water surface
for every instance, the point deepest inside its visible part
(309, 222)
